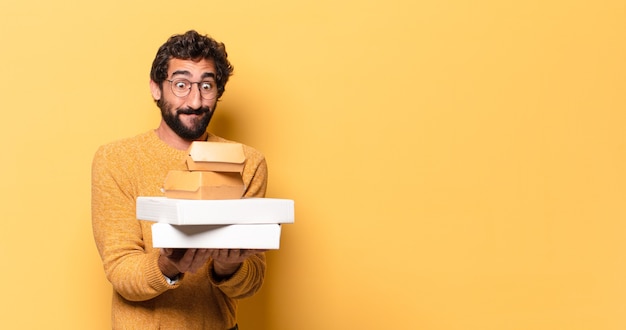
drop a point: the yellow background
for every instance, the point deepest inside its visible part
(455, 164)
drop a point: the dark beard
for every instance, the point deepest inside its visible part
(188, 133)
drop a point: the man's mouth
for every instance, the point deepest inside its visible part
(197, 112)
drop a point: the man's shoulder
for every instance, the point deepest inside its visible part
(132, 140)
(125, 145)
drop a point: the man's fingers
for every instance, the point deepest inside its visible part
(191, 260)
(200, 257)
(251, 252)
(173, 253)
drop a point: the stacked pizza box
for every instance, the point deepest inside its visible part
(203, 207)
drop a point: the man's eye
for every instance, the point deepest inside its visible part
(181, 85)
(206, 86)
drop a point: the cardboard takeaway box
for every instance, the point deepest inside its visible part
(215, 212)
(203, 206)
(203, 185)
(215, 156)
(248, 223)
(259, 236)
(214, 172)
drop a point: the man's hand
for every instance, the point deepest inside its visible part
(227, 261)
(173, 262)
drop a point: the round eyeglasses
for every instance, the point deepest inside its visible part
(182, 87)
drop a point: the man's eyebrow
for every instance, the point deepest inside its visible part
(187, 73)
(183, 72)
(208, 75)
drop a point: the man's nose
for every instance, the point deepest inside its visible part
(194, 99)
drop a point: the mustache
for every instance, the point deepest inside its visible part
(190, 111)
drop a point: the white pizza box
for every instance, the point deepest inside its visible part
(215, 212)
(257, 236)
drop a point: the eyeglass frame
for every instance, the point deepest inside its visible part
(213, 91)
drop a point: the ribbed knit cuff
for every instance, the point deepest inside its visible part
(238, 277)
(155, 276)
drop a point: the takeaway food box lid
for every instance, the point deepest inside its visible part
(215, 156)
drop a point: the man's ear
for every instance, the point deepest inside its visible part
(155, 89)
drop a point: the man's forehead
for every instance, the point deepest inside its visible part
(190, 67)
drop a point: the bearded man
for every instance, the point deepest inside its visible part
(166, 288)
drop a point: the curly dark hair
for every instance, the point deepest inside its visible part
(194, 46)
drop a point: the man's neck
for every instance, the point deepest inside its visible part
(172, 139)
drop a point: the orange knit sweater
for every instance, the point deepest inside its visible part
(142, 298)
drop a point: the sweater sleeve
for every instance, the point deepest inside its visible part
(255, 174)
(246, 281)
(132, 271)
